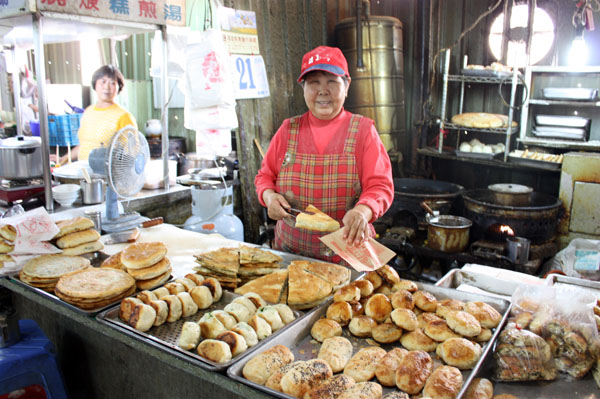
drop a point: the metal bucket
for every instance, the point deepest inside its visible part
(377, 90)
(448, 233)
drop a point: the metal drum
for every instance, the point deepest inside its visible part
(377, 89)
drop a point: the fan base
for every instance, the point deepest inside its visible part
(123, 222)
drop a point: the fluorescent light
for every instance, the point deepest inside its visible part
(578, 56)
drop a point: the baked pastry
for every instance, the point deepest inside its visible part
(260, 325)
(210, 326)
(274, 380)
(201, 296)
(146, 296)
(425, 301)
(481, 120)
(160, 292)
(374, 278)
(384, 289)
(447, 305)
(484, 336)
(439, 331)
(214, 350)
(388, 274)
(45, 270)
(444, 383)
(155, 282)
(305, 289)
(221, 262)
(286, 314)
(487, 316)
(331, 388)
(190, 336)
(335, 274)
(396, 395)
(361, 367)
(247, 332)
(74, 239)
(325, 328)
(347, 293)
(336, 351)
(365, 286)
(402, 299)
(425, 318)
(238, 311)
(256, 299)
(72, 225)
(301, 379)
(8, 232)
(357, 308)
(162, 311)
(215, 288)
(186, 282)
(463, 323)
(363, 390)
(225, 318)
(459, 352)
(387, 366)
(386, 333)
(242, 300)
(260, 367)
(142, 317)
(361, 326)
(417, 340)
(175, 288)
(196, 278)
(269, 287)
(250, 255)
(143, 254)
(340, 312)
(188, 306)
(271, 316)
(480, 388)
(126, 308)
(175, 307)
(378, 307)
(114, 262)
(83, 249)
(404, 319)
(237, 343)
(316, 220)
(407, 285)
(413, 371)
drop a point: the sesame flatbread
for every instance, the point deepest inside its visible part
(316, 220)
(252, 255)
(99, 283)
(53, 266)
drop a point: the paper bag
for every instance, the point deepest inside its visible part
(367, 257)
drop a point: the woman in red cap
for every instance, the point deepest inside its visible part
(327, 157)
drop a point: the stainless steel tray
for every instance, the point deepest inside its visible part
(554, 132)
(562, 120)
(534, 162)
(490, 73)
(487, 285)
(476, 155)
(592, 287)
(166, 336)
(304, 347)
(570, 93)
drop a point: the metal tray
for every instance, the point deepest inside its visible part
(476, 155)
(570, 93)
(534, 162)
(559, 135)
(592, 287)
(562, 120)
(488, 73)
(304, 347)
(166, 336)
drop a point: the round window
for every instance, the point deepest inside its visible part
(541, 42)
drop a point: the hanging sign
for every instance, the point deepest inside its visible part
(147, 11)
(239, 30)
(11, 8)
(250, 76)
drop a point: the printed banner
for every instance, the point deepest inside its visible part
(239, 30)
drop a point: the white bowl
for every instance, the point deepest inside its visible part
(65, 189)
(66, 201)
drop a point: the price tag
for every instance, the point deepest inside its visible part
(250, 76)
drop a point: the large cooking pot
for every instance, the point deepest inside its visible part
(21, 158)
(511, 194)
(192, 160)
(448, 233)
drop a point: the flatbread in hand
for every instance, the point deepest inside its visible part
(316, 220)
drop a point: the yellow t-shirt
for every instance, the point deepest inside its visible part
(98, 125)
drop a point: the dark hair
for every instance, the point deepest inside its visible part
(112, 72)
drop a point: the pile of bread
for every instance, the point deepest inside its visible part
(169, 303)
(482, 120)
(303, 285)
(223, 334)
(8, 234)
(146, 262)
(232, 266)
(477, 146)
(44, 271)
(494, 66)
(411, 371)
(538, 156)
(77, 237)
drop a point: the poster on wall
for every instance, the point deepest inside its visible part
(239, 30)
(250, 76)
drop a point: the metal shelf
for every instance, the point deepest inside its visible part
(593, 145)
(501, 130)
(479, 79)
(565, 103)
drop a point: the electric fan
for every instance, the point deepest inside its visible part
(123, 162)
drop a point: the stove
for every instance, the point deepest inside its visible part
(12, 191)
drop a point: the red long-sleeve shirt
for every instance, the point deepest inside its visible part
(321, 137)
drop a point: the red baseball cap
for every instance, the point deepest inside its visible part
(323, 58)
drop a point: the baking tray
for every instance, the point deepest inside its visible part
(562, 120)
(304, 347)
(590, 286)
(476, 155)
(570, 93)
(559, 135)
(534, 162)
(166, 336)
(485, 73)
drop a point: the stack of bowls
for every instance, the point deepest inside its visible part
(66, 194)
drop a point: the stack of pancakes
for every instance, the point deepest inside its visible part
(77, 236)
(256, 262)
(146, 262)
(222, 264)
(93, 288)
(44, 271)
(8, 234)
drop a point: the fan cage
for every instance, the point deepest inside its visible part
(126, 145)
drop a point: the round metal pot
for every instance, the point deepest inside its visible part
(511, 194)
(448, 233)
(21, 158)
(191, 160)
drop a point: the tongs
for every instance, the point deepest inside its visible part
(295, 212)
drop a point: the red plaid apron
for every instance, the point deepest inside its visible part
(330, 182)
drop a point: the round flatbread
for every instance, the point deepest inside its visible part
(149, 272)
(99, 283)
(143, 254)
(84, 248)
(51, 267)
(8, 232)
(6, 247)
(97, 304)
(72, 225)
(80, 237)
(154, 282)
(114, 262)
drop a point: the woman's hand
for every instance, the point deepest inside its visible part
(356, 224)
(276, 204)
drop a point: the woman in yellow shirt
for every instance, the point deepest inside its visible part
(101, 121)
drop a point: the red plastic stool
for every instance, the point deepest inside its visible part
(28, 363)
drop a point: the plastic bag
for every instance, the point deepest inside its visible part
(217, 117)
(176, 46)
(563, 317)
(581, 258)
(211, 143)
